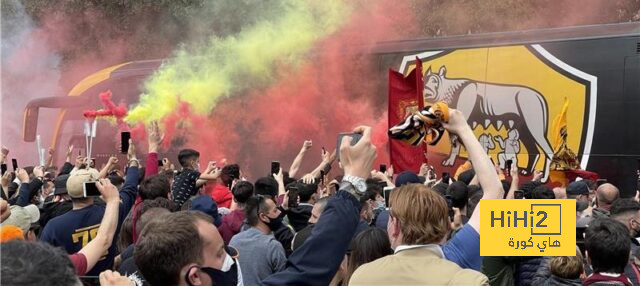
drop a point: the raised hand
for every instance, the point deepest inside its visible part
(131, 153)
(109, 191)
(357, 160)
(306, 145)
(23, 176)
(38, 171)
(308, 179)
(155, 137)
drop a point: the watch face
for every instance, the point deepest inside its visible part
(361, 186)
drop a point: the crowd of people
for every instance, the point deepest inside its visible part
(343, 223)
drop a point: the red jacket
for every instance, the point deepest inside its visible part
(222, 195)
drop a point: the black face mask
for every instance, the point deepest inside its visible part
(218, 277)
(274, 223)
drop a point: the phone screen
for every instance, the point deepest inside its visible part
(91, 190)
(124, 140)
(159, 163)
(386, 191)
(518, 195)
(507, 165)
(383, 168)
(293, 197)
(356, 137)
(3, 168)
(275, 167)
(14, 162)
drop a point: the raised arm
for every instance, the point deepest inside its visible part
(100, 244)
(327, 159)
(155, 139)
(107, 167)
(130, 188)
(49, 162)
(483, 166)
(295, 166)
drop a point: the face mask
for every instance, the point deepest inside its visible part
(227, 276)
(274, 223)
(380, 205)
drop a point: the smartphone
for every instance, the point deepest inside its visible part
(93, 163)
(3, 168)
(518, 195)
(293, 197)
(91, 190)
(14, 162)
(507, 166)
(159, 163)
(356, 137)
(124, 141)
(386, 192)
(275, 167)
(89, 280)
(601, 181)
(322, 177)
(383, 168)
(450, 205)
(446, 177)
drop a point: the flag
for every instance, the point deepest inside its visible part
(405, 97)
(560, 127)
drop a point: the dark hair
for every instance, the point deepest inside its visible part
(242, 191)
(375, 188)
(35, 263)
(167, 244)
(306, 191)
(159, 202)
(474, 200)
(155, 187)
(624, 206)
(287, 179)
(591, 184)
(255, 205)
(125, 237)
(528, 187)
(147, 215)
(542, 192)
(186, 155)
(607, 244)
(440, 188)
(467, 176)
(369, 245)
(116, 180)
(459, 193)
(229, 173)
(266, 186)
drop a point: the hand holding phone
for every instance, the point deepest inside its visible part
(383, 168)
(91, 190)
(293, 197)
(14, 163)
(355, 137)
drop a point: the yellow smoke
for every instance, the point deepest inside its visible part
(203, 75)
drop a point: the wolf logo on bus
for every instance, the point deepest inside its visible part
(509, 95)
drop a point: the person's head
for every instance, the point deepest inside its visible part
(417, 215)
(35, 263)
(474, 200)
(189, 158)
(75, 185)
(366, 247)
(125, 237)
(242, 191)
(47, 188)
(542, 192)
(266, 186)
(262, 213)
(317, 210)
(467, 176)
(229, 173)
(579, 190)
(208, 206)
(605, 195)
(24, 218)
(607, 244)
(366, 210)
(627, 211)
(459, 193)
(180, 248)
(528, 187)
(306, 191)
(407, 177)
(567, 267)
(155, 187)
(147, 215)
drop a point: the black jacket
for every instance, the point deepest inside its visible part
(299, 216)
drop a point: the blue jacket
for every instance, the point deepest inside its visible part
(318, 259)
(75, 229)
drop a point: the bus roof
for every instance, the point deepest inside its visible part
(510, 38)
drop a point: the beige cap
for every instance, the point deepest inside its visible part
(75, 183)
(23, 217)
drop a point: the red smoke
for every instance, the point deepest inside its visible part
(338, 88)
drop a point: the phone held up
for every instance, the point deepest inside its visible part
(91, 190)
(275, 167)
(124, 141)
(355, 138)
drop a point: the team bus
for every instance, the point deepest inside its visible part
(510, 85)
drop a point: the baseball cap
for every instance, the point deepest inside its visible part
(60, 185)
(577, 188)
(75, 182)
(408, 177)
(23, 217)
(208, 206)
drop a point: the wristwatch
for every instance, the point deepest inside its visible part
(354, 185)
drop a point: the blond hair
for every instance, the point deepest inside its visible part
(567, 267)
(422, 213)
